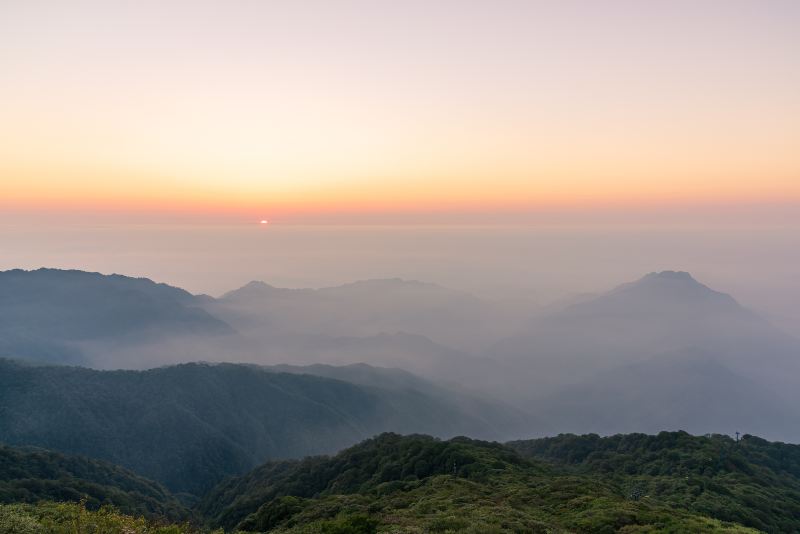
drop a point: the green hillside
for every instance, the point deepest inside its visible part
(74, 518)
(34, 475)
(419, 484)
(189, 426)
(752, 482)
(671, 482)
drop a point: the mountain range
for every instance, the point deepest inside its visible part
(361, 309)
(104, 400)
(662, 352)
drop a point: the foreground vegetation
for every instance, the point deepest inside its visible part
(672, 482)
(71, 518)
(30, 475)
(750, 481)
(419, 484)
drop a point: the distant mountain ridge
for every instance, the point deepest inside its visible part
(690, 390)
(359, 309)
(659, 313)
(638, 351)
(258, 288)
(60, 316)
(657, 290)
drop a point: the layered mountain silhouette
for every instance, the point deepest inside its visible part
(662, 313)
(666, 311)
(191, 425)
(360, 309)
(496, 419)
(411, 352)
(664, 351)
(78, 317)
(688, 390)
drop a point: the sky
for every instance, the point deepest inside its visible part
(509, 148)
(379, 111)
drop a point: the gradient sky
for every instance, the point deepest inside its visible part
(279, 109)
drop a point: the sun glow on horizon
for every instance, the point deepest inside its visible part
(533, 106)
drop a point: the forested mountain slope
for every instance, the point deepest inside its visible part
(636, 483)
(419, 484)
(751, 481)
(29, 475)
(188, 426)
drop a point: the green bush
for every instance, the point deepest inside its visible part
(350, 524)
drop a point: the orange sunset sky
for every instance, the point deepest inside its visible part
(284, 109)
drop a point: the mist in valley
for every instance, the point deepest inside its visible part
(562, 329)
(362, 267)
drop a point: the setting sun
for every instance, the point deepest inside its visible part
(484, 109)
(382, 266)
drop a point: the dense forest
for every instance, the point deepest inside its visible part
(30, 475)
(750, 481)
(670, 482)
(386, 459)
(395, 483)
(72, 518)
(189, 426)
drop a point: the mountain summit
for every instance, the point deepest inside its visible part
(671, 275)
(662, 313)
(662, 292)
(670, 279)
(364, 308)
